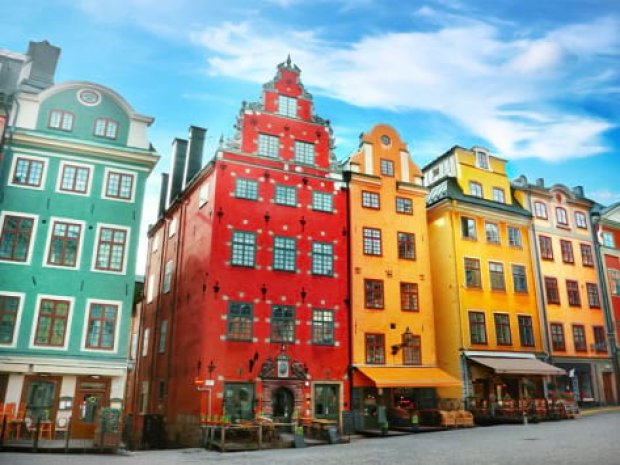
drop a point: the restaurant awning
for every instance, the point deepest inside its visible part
(409, 377)
(518, 366)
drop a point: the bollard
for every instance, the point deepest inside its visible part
(524, 417)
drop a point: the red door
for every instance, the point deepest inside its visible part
(91, 394)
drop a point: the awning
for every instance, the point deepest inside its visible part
(518, 366)
(409, 377)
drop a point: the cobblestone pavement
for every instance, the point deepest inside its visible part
(590, 439)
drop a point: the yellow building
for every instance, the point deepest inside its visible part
(489, 333)
(392, 323)
(569, 281)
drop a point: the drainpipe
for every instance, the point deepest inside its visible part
(347, 178)
(611, 334)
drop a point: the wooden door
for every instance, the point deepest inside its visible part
(607, 388)
(91, 394)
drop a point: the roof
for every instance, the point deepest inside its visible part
(518, 366)
(409, 376)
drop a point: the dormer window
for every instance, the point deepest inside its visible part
(475, 189)
(482, 160)
(107, 128)
(287, 106)
(62, 120)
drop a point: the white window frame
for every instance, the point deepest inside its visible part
(145, 342)
(270, 144)
(32, 158)
(482, 160)
(519, 235)
(168, 272)
(33, 235)
(127, 230)
(18, 317)
(319, 201)
(473, 189)
(78, 257)
(608, 239)
(106, 173)
(287, 106)
(499, 195)
(304, 151)
(172, 229)
(61, 168)
(117, 330)
(150, 289)
(35, 321)
(203, 195)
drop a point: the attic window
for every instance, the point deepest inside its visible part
(106, 128)
(287, 106)
(62, 120)
(482, 160)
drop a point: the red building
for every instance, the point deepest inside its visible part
(246, 281)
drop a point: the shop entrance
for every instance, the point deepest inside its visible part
(282, 401)
(91, 394)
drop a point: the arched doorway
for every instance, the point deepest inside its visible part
(282, 401)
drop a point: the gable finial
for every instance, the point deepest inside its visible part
(288, 60)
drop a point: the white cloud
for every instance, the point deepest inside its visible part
(604, 196)
(505, 91)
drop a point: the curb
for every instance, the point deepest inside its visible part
(594, 411)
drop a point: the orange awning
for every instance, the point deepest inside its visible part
(518, 366)
(416, 377)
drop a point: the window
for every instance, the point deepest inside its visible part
(567, 251)
(572, 289)
(172, 229)
(496, 272)
(477, 328)
(322, 326)
(560, 216)
(28, 172)
(526, 331)
(373, 293)
(514, 237)
(551, 290)
(375, 348)
(284, 253)
(491, 231)
(119, 185)
(60, 119)
(409, 298)
(15, 239)
(168, 269)
(52, 323)
(580, 220)
(107, 128)
(282, 323)
(502, 329)
(74, 179)
(387, 167)
(64, 244)
(9, 308)
(557, 337)
(608, 240)
(203, 195)
(370, 200)
(404, 206)
(322, 201)
(519, 278)
(546, 248)
(412, 349)
(239, 401)
(587, 259)
(326, 401)
(614, 281)
(372, 241)
(540, 210)
(579, 338)
(287, 106)
(472, 273)
(593, 299)
(243, 248)
(475, 189)
(600, 343)
(499, 195)
(468, 227)
(240, 321)
(322, 259)
(111, 248)
(246, 189)
(304, 152)
(482, 160)
(268, 146)
(101, 326)
(163, 336)
(286, 195)
(406, 245)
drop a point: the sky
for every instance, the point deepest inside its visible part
(535, 82)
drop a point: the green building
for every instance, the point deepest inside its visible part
(74, 165)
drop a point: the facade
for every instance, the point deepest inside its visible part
(246, 290)
(486, 309)
(393, 350)
(569, 281)
(75, 163)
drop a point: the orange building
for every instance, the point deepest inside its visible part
(393, 351)
(483, 280)
(570, 284)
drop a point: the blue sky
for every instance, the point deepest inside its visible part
(536, 82)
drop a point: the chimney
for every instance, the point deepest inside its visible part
(578, 192)
(193, 162)
(43, 61)
(179, 154)
(540, 182)
(163, 191)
